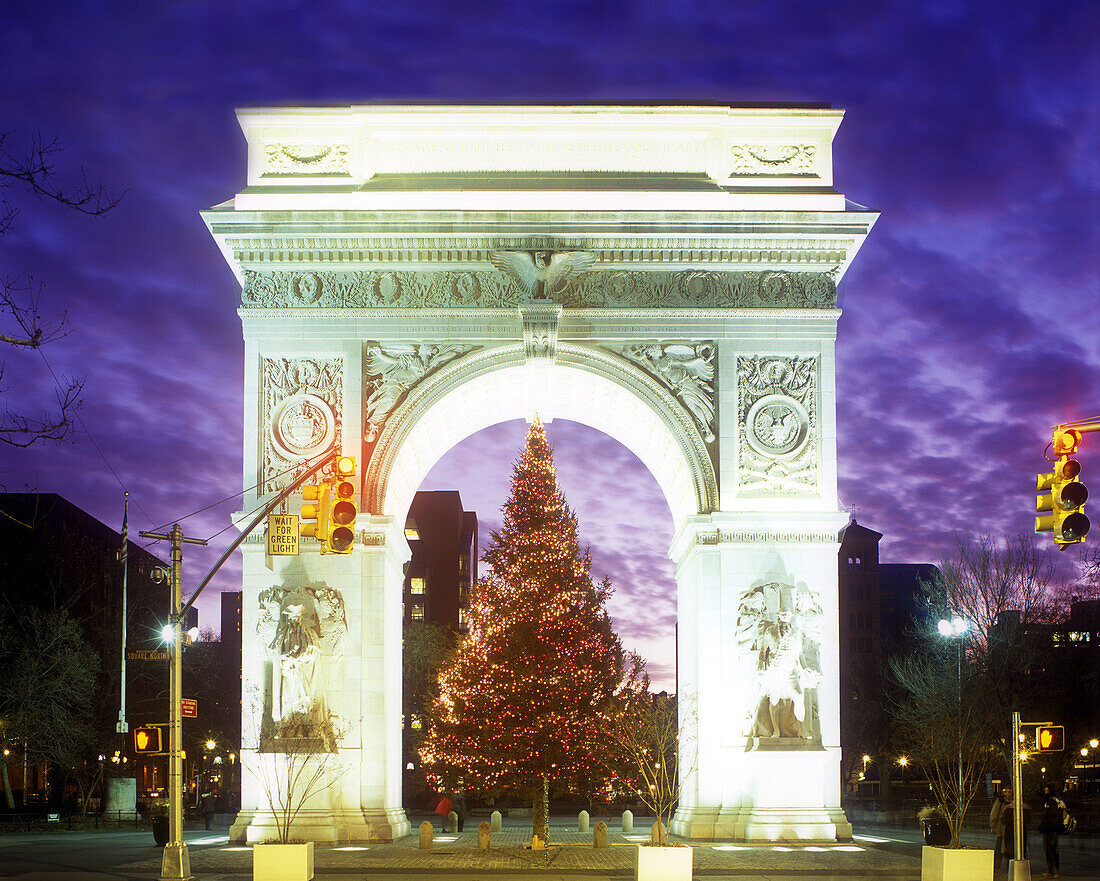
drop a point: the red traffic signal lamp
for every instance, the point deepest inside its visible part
(147, 740)
(317, 513)
(343, 510)
(1050, 738)
(1062, 495)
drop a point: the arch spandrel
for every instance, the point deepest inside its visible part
(583, 384)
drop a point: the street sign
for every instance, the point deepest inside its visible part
(189, 709)
(146, 655)
(282, 535)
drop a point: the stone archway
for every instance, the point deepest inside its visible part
(667, 275)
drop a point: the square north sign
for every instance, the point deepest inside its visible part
(282, 535)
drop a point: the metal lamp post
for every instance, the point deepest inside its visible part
(956, 629)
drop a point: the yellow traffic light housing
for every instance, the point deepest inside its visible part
(147, 740)
(318, 513)
(343, 510)
(1062, 495)
(1050, 738)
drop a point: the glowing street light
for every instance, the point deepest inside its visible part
(956, 629)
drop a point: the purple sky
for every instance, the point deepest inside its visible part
(971, 318)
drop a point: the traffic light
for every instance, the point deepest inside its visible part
(1050, 738)
(147, 740)
(343, 510)
(318, 513)
(1060, 507)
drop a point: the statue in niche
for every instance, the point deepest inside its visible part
(302, 630)
(779, 633)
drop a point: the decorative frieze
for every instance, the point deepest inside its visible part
(306, 160)
(394, 369)
(772, 160)
(687, 370)
(777, 425)
(301, 415)
(493, 290)
(764, 536)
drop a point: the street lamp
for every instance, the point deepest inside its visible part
(956, 629)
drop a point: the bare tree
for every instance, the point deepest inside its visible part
(646, 751)
(956, 696)
(22, 323)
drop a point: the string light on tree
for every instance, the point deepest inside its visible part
(520, 702)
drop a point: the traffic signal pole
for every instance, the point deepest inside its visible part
(175, 864)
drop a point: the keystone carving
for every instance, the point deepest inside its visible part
(540, 330)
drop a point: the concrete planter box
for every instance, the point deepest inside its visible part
(944, 864)
(282, 862)
(662, 863)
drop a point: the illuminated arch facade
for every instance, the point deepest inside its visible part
(667, 275)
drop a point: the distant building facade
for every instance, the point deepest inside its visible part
(443, 567)
(881, 605)
(53, 555)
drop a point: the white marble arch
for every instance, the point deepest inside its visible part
(695, 325)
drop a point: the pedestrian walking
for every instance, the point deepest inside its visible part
(1054, 810)
(459, 806)
(999, 801)
(206, 802)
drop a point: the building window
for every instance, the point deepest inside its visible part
(417, 723)
(462, 618)
(411, 532)
(855, 562)
(418, 612)
(416, 585)
(463, 563)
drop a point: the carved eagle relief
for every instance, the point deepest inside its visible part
(542, 274)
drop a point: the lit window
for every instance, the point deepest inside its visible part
(463, 563)
(1082, 636)
(462, 618)
(417, 724)
(416, 585)
(411, 532)
(418, 612)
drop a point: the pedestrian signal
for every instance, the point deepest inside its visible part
(147, 740)
(1050, 738)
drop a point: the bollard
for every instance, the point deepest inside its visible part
(657, 834)
(426, 835)
(537, 843)
(582, 821)
(628, 822)
(495, 822)
(599, 834)
(484, 836)
(452, 822)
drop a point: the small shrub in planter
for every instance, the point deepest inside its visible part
(937, 832)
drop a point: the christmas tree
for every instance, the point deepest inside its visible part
(522, 701)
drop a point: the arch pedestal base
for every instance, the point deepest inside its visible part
(324, 827)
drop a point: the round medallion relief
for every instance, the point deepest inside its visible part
(301, 425)
(777, 426)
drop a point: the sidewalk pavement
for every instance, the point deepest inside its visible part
(571, 855)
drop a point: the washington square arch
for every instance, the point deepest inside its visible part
(667, 275)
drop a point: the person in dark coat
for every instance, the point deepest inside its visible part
(1050, 825)
(459, 807)
(206, 802)
(995, 826)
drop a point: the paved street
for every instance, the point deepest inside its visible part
(131, 856)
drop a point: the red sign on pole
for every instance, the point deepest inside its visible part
(189, 709)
